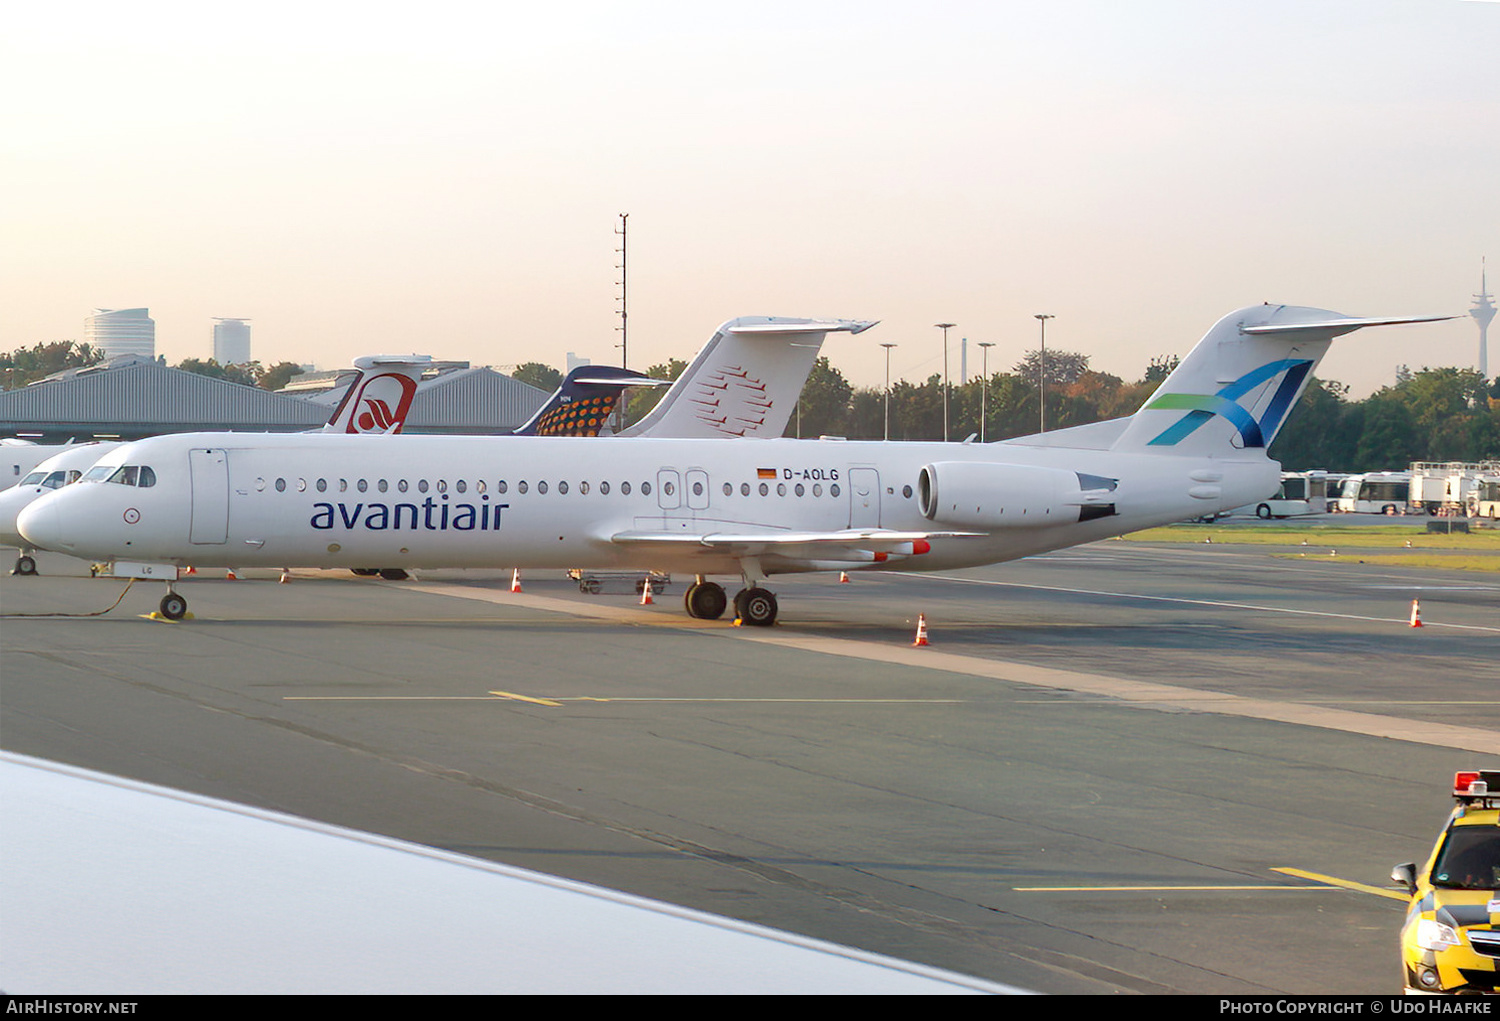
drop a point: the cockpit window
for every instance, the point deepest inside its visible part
(148, 477)
(34, 479)
(98, 473)
(56, 480)
(125, 475)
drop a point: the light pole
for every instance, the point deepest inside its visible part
(1041, 375)
(945, 327)
(887, 390)
(984, 395)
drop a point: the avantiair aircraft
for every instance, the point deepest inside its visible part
(747, 508)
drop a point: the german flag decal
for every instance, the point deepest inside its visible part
(765, 473)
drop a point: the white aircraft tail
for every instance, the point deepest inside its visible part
(379, 399)
(1234, 390)
(745, 381)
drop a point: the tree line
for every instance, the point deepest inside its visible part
(26, 365)
(1443, 414)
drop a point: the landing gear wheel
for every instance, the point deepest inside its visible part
(1263, 512)
(173, 606)
(755, 607)
(705, 600)
(25, 566)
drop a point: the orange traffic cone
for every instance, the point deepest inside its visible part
(189, 571)
(646, 599)
(229, 575)
(515, 580)
(286, 576)
(1416, 613)
(843, 577)
(921, 630)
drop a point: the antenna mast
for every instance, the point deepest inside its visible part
(623, 267)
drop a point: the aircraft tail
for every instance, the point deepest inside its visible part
(379, 398)
(585, 400)
(1234, 390)
(745, 381)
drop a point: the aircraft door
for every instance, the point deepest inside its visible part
(668, 489)
(864, 498)
(209, 470)
(696, 480)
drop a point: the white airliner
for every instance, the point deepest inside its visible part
(62, 468)
(752, 508)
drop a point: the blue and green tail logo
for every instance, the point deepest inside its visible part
(1202, 407)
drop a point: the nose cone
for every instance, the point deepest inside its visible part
(40, 524)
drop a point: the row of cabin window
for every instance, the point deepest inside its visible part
(584, 488)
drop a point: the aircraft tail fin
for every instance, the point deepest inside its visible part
(1234, 390)
(379, 398)
(746, 379)
(585, 400)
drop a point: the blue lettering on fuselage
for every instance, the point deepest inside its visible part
(429, 515)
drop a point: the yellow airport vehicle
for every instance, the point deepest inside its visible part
(1450, 942)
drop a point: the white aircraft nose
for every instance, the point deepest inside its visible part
(41, 524)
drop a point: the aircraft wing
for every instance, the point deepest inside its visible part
(856, 545)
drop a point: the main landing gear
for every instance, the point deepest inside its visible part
(25, 566)
(753, 606)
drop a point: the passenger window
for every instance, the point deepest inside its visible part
(381, 485)
(461, 486)
(362, 486)
(604, 488)
(480, 487)
(562, 489)
(521, 486)
(646, 488)
(442, 485)
(322, 485)
(833, 490)
(744, 489)
(421, 485)
(400, 485)
(343, 485)
(764, 489)
(502, 487)
(583, 489)
(728, 489)
(799, 490)
(281, 485)
(625, 488)
(781, 489)
(301, 485)
(541, 487)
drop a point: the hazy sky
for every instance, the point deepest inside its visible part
(446, 177)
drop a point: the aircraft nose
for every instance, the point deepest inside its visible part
(41, 524)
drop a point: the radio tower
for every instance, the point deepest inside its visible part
(1483, 311)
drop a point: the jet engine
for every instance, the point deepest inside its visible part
(977, 494)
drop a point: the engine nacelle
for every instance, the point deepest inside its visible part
(976, 494)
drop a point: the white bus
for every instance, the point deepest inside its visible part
(1300, 493)
(1486, 498)
(1375, 493)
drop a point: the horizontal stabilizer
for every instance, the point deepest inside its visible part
(1338, 326)
(804, 326)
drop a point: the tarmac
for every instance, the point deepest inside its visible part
(1121, 768)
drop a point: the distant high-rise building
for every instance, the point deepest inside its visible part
(232, 341)
(1483, 311)
(124, 331)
